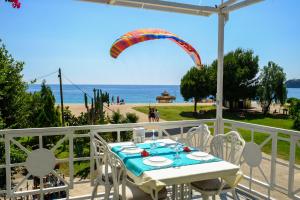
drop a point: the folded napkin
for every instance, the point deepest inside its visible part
(186, 149)
(145, 153)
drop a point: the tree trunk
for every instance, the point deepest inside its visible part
(195, 105)
(267, 108)
(231, 105)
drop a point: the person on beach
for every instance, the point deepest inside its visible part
(152, 115)
(156, 114)
(118, 100)
(112, 100)
(149, 114)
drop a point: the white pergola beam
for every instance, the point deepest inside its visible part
(162, 6)
(240, 5)
(227, 3)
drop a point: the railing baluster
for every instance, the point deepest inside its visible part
(40, 141)
(92, 160)
(41, 188)
(181, 132)
(7, 165)
(292, 167)
(118, 136)
(273, 159)
(71, 158)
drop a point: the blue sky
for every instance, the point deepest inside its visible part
(77, 36)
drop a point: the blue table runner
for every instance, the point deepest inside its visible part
(134, 162)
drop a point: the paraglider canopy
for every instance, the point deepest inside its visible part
(142, 35)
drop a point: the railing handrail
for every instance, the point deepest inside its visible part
(145, 124)
(105, 126)
(262, 127)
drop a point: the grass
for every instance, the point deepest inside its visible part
(176, 113)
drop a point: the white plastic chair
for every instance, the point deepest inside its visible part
(104, 177)
(124, 188)
(229, 147)
(138, 135)
(198, 137)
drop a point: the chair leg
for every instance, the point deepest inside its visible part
(234, 195)
(107, 189)
(94, 193)
(205, 197)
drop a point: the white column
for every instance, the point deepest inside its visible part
(219, 114)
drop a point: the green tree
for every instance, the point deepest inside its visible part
(44, 113)
(272, 86)
(240, 75)
(196, 84)
(13, 96)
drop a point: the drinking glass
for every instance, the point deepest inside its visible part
(177, 149)
(153, 142)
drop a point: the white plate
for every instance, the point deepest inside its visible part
(199, 154)
(208, 157)
(132, 150)
(157, 159)
(167, 162)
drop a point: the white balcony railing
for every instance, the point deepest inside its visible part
(272, 174)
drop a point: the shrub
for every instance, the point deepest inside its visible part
(295, 112)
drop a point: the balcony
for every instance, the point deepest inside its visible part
(269, 174)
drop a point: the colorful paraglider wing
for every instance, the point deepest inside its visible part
(142, 35)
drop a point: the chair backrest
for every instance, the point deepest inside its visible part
(100, 149)
(138, 135)
(228, 146)
(198, 137)
(119, 175)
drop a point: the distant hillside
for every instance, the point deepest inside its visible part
(294, 83)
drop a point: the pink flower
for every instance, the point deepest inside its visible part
(15, 3)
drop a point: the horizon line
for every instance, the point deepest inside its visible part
(108, 84)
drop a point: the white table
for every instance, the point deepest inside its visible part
(156, 179)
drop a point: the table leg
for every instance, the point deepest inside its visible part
(182, 191)
(173, 192)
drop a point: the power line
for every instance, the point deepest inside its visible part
(43, 76)
(75, 85)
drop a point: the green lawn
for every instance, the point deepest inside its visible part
(175, 113)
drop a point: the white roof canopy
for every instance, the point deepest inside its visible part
(184, 8)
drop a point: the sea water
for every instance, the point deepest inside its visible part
(130, 93)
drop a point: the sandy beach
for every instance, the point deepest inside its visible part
(78, 108)
(126, 108)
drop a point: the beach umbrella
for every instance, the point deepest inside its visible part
(142, 35)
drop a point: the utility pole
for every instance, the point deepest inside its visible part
(61, 97)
